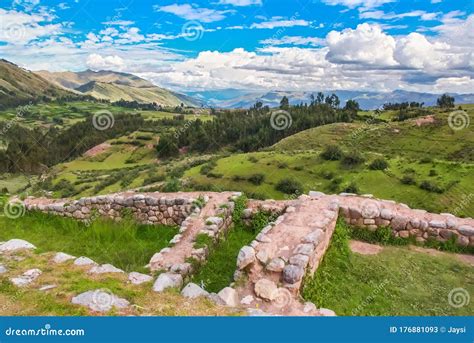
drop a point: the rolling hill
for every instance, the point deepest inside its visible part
(114, 86)
(18, 86)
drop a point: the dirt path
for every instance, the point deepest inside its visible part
(364, 248)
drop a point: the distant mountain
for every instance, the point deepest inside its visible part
(18, 86)
(367, 100)
(114, 86)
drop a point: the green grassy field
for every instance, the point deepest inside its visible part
(395, 282)
(126, 245)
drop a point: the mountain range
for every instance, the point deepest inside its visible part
(18, 85)
(232, 98)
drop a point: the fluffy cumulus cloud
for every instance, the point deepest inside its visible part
(358, 3)
(98, 62)
(20, 27)
(367, 44)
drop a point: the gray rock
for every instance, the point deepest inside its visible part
(193, 291)
(386, 214)
(399, 223)
(314, 237)
(15, 245)
(84, 261)
(61, 257)
(266, 289)
(246, 256)
(309, 307)
(47, 287)
(26, 278)
(214, 220)
(327, 312)
(167, 280)
(292, 274)
(315, 194)
(262, 238)
(254, 312)
(138, 278)
(304, 249)
(100, 300)
(276, 265)
(247, 213)
(104, 269)
(299, 260)
(229, 296)
(3, 269)
(181, 268)
(466, 230)
(439, 224)
(263, 256)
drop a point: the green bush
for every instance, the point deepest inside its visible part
(351, 188)
(289, 186)
(431, 187)
(352, 159)
(408, 180)
(379, 164)
(332, 153)
(256, 179)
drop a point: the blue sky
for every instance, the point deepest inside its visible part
(250, 44)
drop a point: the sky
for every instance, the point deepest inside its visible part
(290, 45)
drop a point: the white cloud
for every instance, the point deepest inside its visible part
(20, 28)
(98, 62)
(367, 45)
(241, 2)
(119, 22)
(294, 40)
(358, 3)
(423, 15)
(276, 22)
(188, 12)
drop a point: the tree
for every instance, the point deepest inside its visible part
(445, 101)
(167, 147)
(284, 103)
(319, 98)
(352, 106)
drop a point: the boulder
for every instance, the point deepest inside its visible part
(299, 260)
(138, 278)
(276, 265)
(193, 291)
(61, 257)
(84, 261)
(245, 257)
(229, 296)
(104, 269)
(100, 300)
(15, 245)
(266, 289)
(181, 268)
(399, 223)
(167, 280)
(292, 274)
(3, 269)
(466, 230)
(304, 249)
(314, 237)
(26, 278)
(326, 312)
(439, 224)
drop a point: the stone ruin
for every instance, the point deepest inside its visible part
(270, 271)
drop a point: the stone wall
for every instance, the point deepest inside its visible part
(149, 208)
(373, 214)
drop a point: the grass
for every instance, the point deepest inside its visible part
(395, 282)
(218, 270)
(126, 245)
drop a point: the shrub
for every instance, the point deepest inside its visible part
(256, 179)
(282, 165)
(237, 178)
(408, 180)
(154, 178)
(352, 159)
(174, 185)
(425, 160)
(253, 159)
(289, 186)
(332, 153)
(351, 188)
(379, 164)
(433, 172)
(328, 175)
(431, 187)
